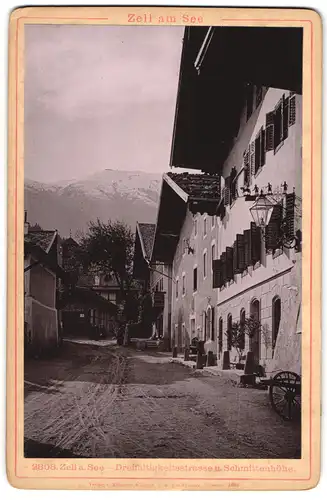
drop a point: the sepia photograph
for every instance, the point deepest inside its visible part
(162, 241)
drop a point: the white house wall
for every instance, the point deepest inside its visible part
(277, 275)
(191, 305)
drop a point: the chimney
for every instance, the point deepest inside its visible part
(26, 224)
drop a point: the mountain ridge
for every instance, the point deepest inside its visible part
(129, 196)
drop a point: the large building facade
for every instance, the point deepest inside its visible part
(238, 119)
(262, 282)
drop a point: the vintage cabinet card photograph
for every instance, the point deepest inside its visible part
(164, 248)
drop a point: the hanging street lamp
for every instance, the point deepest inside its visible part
(261, 210)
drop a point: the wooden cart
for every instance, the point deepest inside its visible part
(285, 394)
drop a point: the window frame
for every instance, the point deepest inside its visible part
(205, 227)
(195, 281)
(205, 264)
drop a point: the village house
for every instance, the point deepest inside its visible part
(186, 242)
(42, 274)
(238, 118)
(155, 280)
(88, 303)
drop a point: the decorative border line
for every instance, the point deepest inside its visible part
(16, 262)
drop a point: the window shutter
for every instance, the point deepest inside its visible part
(246, 163)
(252, 158)
(270, 131)
(257, 154)
(278, 129)
(292, 110)
(217, 277)
(247, 248)
(223, 267)
(227, 191)
(235, 263)
(255, 243)
(285, 116)
(262, 147)
(240, 252)
(273, 230)
(229, 263)
(290, 208)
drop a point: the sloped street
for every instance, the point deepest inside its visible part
(103, 401)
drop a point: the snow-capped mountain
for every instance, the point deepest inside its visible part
(110, 194)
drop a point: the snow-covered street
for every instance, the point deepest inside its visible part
(97, 400)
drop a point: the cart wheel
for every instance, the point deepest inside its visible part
(285, 395)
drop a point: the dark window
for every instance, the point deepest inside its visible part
(242, 325)
(273, 230)
(276, 314)
(213, 324)
(239, 261)
(255, 243)
(220, 337)
(281, 121)
(195, 279)
(223, 267)
(233, 184)
(247, 248)
(255, 337)
(260, 153)
(278, 116)
(246, 164)
(269, 131)
(217, 274)
(229, 263)
(229, 332)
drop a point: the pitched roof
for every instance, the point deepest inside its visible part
(146, 233)
(42, 239)
(197, 186)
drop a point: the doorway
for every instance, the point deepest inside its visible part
(255, 339)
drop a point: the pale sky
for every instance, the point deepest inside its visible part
(99, 97)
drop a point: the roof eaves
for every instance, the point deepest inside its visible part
(52, 240)
(142, 242)
(178, 190)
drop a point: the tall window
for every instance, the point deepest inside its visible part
(177, 288)
(205, 226)
(205, 264)
(213, 324)
(255, 338)
(229, 332)
(96, 280)
(276, 314)
(195, 279)
(242, 324)
(195, 226)
(183, 285)
(220, 336)
(213, 219)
